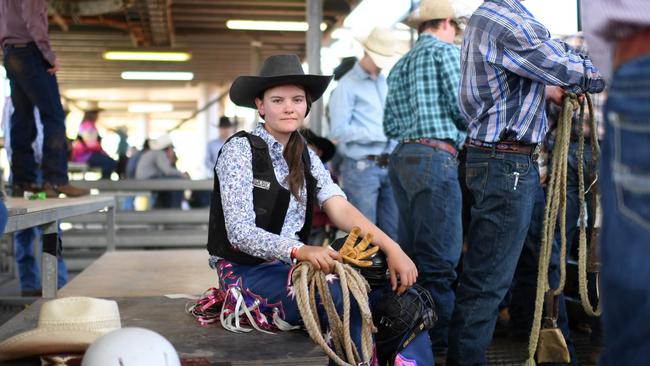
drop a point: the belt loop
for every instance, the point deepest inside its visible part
(494, 150)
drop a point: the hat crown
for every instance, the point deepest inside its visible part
(79, 313)
(382, 41)
(281, 65)
(429, 10)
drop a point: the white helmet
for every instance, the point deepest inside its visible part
(131, 347)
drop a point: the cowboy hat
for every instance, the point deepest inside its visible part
(68, 324)
(382, 47)
(277, 70)
(224, 122)
(429, 10)
(161, 142)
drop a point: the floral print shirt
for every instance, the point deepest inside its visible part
(235, 171)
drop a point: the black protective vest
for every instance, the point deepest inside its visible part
(270, 201)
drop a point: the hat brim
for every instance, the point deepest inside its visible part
(382, 62)
(245, 89)
(327, 148)
(48, 341)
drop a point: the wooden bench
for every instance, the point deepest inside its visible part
(144, 273)
(24, 214)
(150, 229)
(211, 343)
(138, 281)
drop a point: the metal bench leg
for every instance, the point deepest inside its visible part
(49, 265)
(110, 229)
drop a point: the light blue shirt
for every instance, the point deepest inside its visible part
(356, 110)
(212, 153)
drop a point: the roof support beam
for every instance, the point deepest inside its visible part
(314, 36)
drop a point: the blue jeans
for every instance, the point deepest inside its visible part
(625, 240)
(503, 187)
(524, 286)
(368, 189)
(3, 216)
(31, 86)
(104, 162)
(427, 192)
(28, 266)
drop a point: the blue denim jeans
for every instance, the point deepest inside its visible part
(104, 162)
(28, 267)
(572, 205)
(31, 86)
(503, 187)
(524, 284)
(3, 216)
(368, 189)
(427, 192)
(625, 240)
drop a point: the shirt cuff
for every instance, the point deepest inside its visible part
(286, 246)
(328, 192)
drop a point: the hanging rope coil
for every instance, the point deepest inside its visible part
(555, 211)
(307, 281)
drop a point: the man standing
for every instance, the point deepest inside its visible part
(422, 114)
(507, 59)
(356, 110)
(619, 33)
(31, 68)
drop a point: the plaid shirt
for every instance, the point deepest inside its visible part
(422, 90)
(506, 60)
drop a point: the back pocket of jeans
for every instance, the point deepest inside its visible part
(631, 165)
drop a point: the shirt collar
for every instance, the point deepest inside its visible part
(267, 137)
(427, 37)
(515, 5)
(360, 73)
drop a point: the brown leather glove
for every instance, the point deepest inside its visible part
(358, 253)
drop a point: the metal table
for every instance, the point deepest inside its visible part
(23, 214)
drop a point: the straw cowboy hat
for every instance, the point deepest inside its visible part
(161, 142)
(429, 10)
(382, 47)
(277, 70)
(65, 325)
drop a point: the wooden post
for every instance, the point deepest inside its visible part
(314, 36)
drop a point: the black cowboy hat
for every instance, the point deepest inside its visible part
(325, 145)
(277, 70)
(224, 122)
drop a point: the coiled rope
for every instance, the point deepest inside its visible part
(556, 205)
(306, 282)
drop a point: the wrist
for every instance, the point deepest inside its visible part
(293, 254)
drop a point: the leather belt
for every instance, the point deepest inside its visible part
(634, 46)
(381, 160)
(17, 45)
(434, 143)
(508, 147)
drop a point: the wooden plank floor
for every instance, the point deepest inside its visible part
(213, 343)
(144, 273)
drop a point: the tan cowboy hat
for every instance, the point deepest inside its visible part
(429, 10)
(65, 325)
(161, 142)
(382, 46)
(276, 70)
